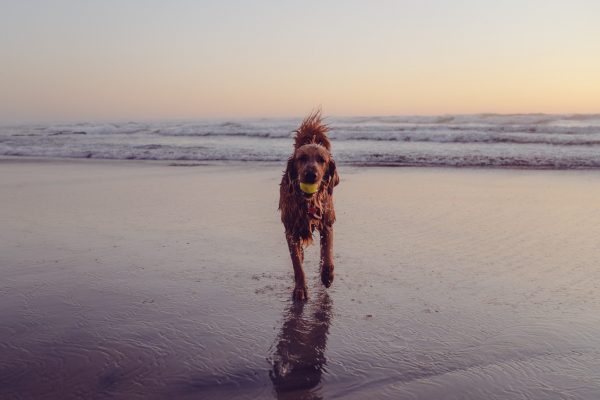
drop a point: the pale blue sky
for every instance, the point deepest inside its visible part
(80, 60)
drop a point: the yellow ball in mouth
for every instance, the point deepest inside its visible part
(309, 188)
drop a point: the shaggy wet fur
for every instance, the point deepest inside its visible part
(302, 214)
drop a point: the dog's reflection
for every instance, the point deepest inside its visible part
(299, 351)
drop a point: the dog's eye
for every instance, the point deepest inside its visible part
(303, 158)
(320, 160)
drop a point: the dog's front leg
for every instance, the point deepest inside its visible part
(297, 254)
(327, 255)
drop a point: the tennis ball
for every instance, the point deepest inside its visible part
(309, 188)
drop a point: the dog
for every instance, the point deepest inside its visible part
(306, 199)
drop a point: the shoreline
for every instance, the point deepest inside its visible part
(207, 163)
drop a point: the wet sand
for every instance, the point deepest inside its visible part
(136, 280)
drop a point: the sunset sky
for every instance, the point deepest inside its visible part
(150, 59)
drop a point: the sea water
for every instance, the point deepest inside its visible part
(562, 141)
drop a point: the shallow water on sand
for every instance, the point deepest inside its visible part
(147, 281)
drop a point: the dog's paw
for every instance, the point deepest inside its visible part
(300, 293)
(327, 275)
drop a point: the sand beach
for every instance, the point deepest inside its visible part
(142, 280)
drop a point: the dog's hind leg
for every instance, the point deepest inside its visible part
(297, 254)
(327, 255)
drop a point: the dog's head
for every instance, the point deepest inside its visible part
(312, 164)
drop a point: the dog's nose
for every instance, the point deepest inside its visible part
(310, 176)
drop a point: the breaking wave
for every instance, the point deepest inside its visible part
(494, 140)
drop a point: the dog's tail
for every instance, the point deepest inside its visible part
(312, 130)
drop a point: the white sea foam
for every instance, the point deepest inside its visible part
(522, 140)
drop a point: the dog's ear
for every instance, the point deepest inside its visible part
(291, 173)
(333, 176)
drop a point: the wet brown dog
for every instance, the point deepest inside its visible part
(301, 213)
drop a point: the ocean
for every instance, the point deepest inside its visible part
(552, 141)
